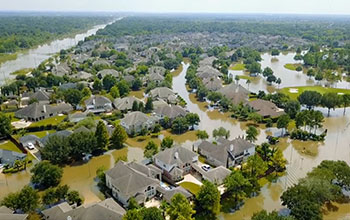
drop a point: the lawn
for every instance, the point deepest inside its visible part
(8, 145)
(192, 187)
(177, 71)
(245, 77)
(319, 89)
(12, 116)
(7, 57)
(22, 71)
(49, 121)
(238, 66)
(291, 66)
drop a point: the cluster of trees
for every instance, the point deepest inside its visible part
(62, 150)
(23, 32)
(183, 124)
(268, 74)
(322, 185)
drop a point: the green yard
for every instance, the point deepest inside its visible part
(238, 66)
(8, 145)
(244, 77)
(192, 187)
(294, 92)
(291, 66)
(49, 121)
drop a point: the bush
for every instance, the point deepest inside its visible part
(305, 136)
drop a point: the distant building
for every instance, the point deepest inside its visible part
(8, 214)
(134, 122)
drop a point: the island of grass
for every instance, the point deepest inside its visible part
(7, 57)
(192, 187)
(245, 77)
(22, 71)
(291, 66)
(238, 67)
(294, 92)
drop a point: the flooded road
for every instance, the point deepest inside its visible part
(33, 57)
(301, 156)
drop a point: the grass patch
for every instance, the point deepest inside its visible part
(8, 145)
(177, 71)
(319, 89)
(49, 121)
(245, 77)
(11, 115)
(238, 66)
(137, 94)
(192, 187)
(22, 71)
(201, 159)
(6, 57)
(291, 66)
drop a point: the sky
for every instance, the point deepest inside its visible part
(199, 6)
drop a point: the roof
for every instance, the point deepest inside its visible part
(97, 100)
(207, 72)
(157, 69)
(168, 194)
(128, 180)
(41, 95)
(172, 112)
(125, 103)
(207, 61)
(37, 110)
(66, 86)
(137, 117)
(236, 93)
(176, 155)
(9, 157)
(155, 77)
(63, 133)
(61, 69)
(217, 175)
(28, 138)
(212, 83)
(101, 62)
(106, 72)
(83, 75)
(106, 210)
(161, 92)
(266, 108)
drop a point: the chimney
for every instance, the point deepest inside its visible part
(44, 108)
(176, 155)
(93, 101)
(231, 147)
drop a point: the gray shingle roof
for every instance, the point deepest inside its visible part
(168, 194)
(212, 83)
(217, 175)
(136, 118)
(236, 93)
(125, 103)
(41, 96)
(172, 112)
(176, 155)
(161, 92)
(9, 157)
(37, 110)
(106, 72)
(266, 108)
(97, 100)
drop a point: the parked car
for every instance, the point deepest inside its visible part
(206, 167)
(31, 146)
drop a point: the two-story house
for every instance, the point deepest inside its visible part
(98, 104)
(175, 162)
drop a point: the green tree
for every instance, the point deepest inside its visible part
(151, 149)
(283, 122)
(102, 136)
(108, 82)
(277, 161)
(132, 204)
(57, 150)
(152, 213)
(123, 87)
(73, 96)
(149, 105)
(74, 197)
(180, 208)
(133, 214)
(292, 107)
(252, 134)
(26, 200)
(310, 99)
(202, 134)
(263, 215)
(255, 166)
(267, 72)
(167, 142)
(118, 138)
(330, 100)
(192, 119)
(46, 174)
(236, 185)
(275, 52)
(115, 92)
(345, 101)
(82, 143)
(221, 132)
(135, 106)
(207, 203)
(49, 196)
(179, 125)
(5, 125)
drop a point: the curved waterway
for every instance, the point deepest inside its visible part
(33, 57)
(301, 156)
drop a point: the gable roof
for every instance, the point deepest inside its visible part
(137, 117)
(207, 72)
(41, 95)
(106, 72)
(212, 83)
(236, 93)
(217, 175)
(37, 110)
(7, 214)
(9, 157)
(97, 100)
(155, 77)
(125, 103)
(161, 92)
(171, 112)
(176, 155)
(128, 180)
(266, 108)
(63, 133)
(168, 194)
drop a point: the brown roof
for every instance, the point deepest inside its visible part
(266, 108)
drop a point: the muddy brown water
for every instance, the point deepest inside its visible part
(301, 156)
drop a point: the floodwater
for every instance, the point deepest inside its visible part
(288, 77)
(33, 57)
(301, 156)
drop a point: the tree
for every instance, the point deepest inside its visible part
(310, 73)
(192, 119)
(264, 151)
(167, 142)
(26, 200)
(108, 82)
(251, 133)
(5, 125)
(267, 72)
(114, 92)
(202, 135)
(123, 87)
(151, 149)
(271, 79)
(292, 107)
(221, 132)
(330, 100)
(248, 83)
(180, 208)
(46, 174)
(135, 106)
(237, 79)
(278, 162)
(102, 136)
(283, 122)
(118, 138)
(207, 203)
(275, 52)
(149, 105)
(49, 196)
(82, 143)
(73, 96)
(152, 213)
(310, 99)
(255, 166)
(97, 85)
(345, 100)
(179, 125)
(133, 214)
(236, 185)
(136, 84)
(263, 215)
(57, 150)
(133, 204)
(73, 197)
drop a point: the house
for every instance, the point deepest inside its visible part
(39, 111)
(208, 72)
(235, 92)
(131, 180)
(212, 83)
(64, 133)
(8, 157)
(157, 70)
(265, 108)
(76, 117)
(66, 86)
(41, 96)
(101, 62)
(80, 58)
(164, 93)
(208, 61)
(98, 104)
(126, 103)
(175, 162)
(61, 69)
(29, 139)
(216, 175)
(83, 75)
(167, 195)
(107, 209)
(155, 77)
(226, 153)
(170, 111)
(134, 122)
(8, 214)
(101, 74)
